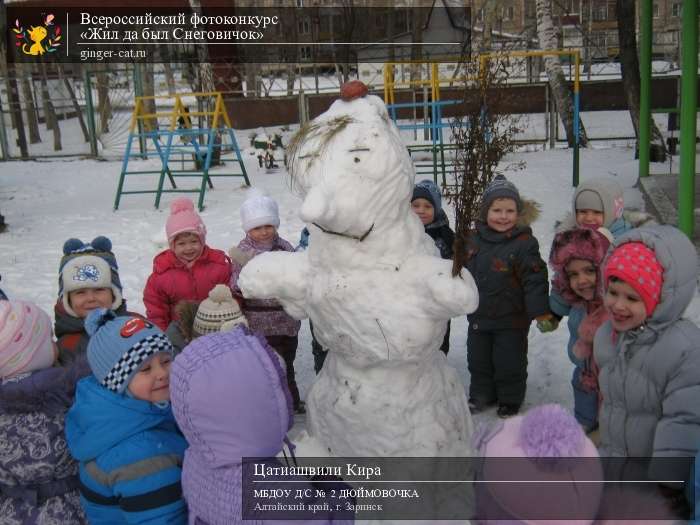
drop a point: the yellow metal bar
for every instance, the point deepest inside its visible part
(177, 110)
(577, 77)
(217, 112)
(137, 108)
(224, 111)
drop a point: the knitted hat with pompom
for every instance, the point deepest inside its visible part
(88, 265)
(545, 445)
(183, 219)
(218, 312)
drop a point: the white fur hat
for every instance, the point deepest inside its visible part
(259, 210)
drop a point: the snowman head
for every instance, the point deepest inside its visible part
(352, 169)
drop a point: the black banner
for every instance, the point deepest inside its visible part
(236, 34)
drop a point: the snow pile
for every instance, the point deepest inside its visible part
(376, 291)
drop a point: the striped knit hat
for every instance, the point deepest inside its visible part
(26, 342)
(499, 188)
(120, 345)
(217, 310)
(88, 265)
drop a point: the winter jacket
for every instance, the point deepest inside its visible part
(650, 376)
(264, 315)
(172, 281)
(215, 377)
(72, 339)
(130, 454)
(440, 231)
(509, 273)
(38, 476)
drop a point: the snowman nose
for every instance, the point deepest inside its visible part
(314, 207)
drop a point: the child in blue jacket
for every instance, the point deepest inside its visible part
(121, 427)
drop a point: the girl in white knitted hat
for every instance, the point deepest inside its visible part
(260, 220)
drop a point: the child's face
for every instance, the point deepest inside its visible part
(625, 306)
(502, 215)
(85, 300)
(582, 277)
(187, 247)
(424, 210)
(263, 234)
(590, 218)
(152, 382)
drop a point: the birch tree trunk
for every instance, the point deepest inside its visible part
(547, 35)
(104, 106)
(629, 63)
(76, 105)
(49, 110)
(30, 109)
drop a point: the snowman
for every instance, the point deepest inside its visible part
(375, 288)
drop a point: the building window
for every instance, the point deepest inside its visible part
(507, 13)
(600, 13)
(480, 15)
(300, 3)
(305, 52)
(304, 26)
(655, 11)
(676, 9)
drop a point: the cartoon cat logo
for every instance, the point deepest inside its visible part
(40, 39)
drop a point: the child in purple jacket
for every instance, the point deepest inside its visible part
(230, 399)
(260, 220)
(38, 477)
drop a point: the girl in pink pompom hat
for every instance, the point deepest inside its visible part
(187, 270)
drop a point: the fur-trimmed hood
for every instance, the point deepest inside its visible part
(630, 219)
(186, 312)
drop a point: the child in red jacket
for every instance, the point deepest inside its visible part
(188, 270)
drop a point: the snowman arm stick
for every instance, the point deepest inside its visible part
(283, 276)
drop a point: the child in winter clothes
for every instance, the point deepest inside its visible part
(260, 220)
(38, 477)
(576, 259)
(596, 203)
(427, 204)
(230, 398)
(547, 445)
(88, 278)
(218, 312)
(121, 428)
(504, 259)
(648, 354)
(186, 271)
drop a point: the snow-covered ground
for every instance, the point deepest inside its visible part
(45, 203)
